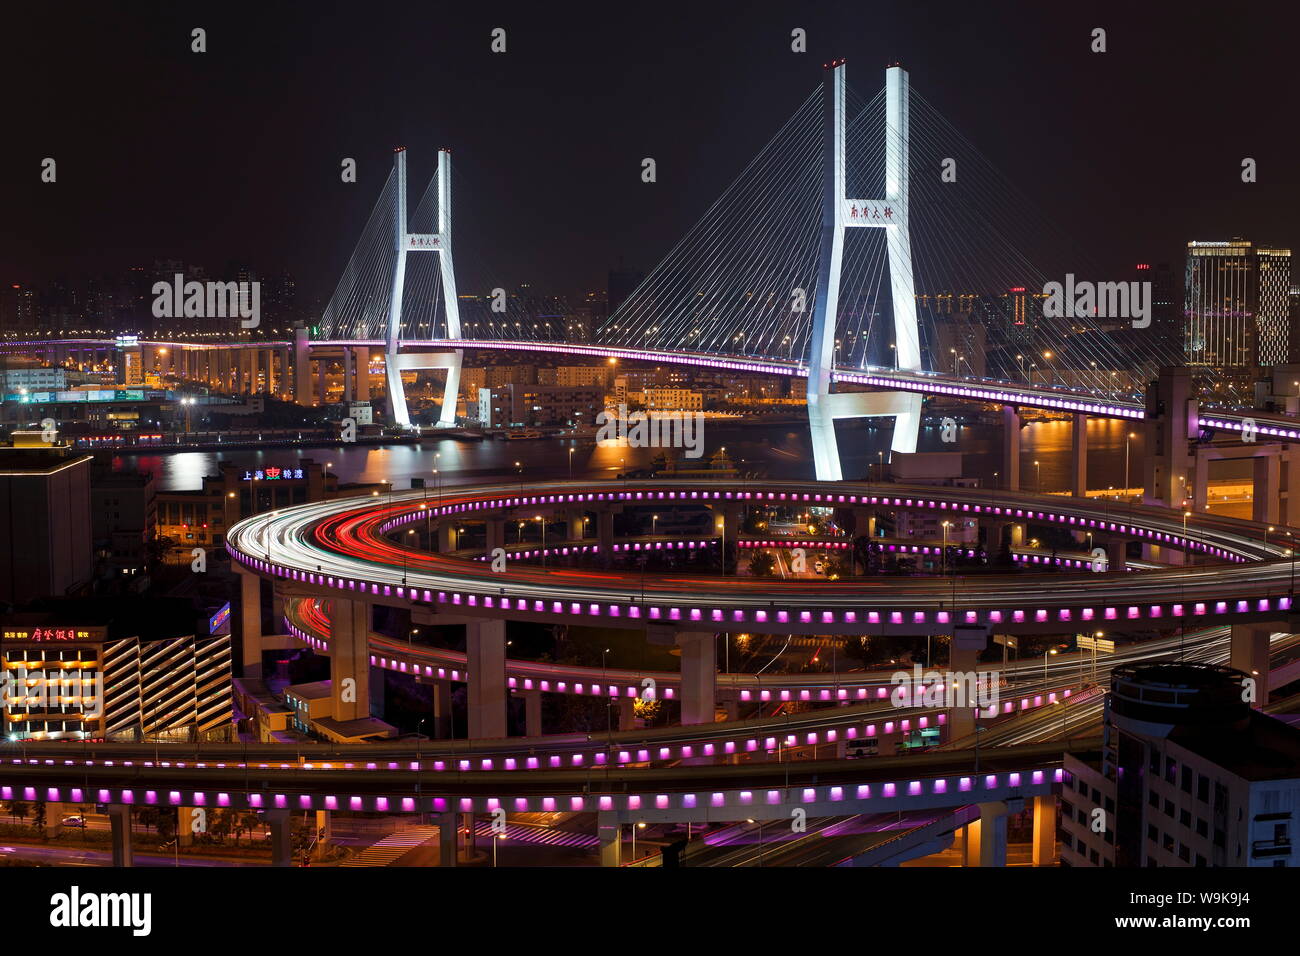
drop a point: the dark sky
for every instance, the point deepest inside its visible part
(234, 154)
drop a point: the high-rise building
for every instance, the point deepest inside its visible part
(45, 543)
(1236, 304)
(1188, 775)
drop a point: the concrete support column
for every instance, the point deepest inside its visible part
(361, 372)
(1201, 484)
(575, 525)
(250, 616)
(1044, 830)
(350, 659)
(993, 834)
(322, 382)
(119, 818)
(1011, 447)
(611, 840)
(1267, 491)
(485, 646)
(441, 728)
(496, 533)
(1079, 465)
(533, 713)
(605, 530)
(1116, 554)
(1249, 653)
(970, 844)
(281, 824)
(185, 825)
(349, 375)
(699, 676)
(444, 535)
(963, 658)
(324, 827)
(301, 368)
(447, 834)
(626, 713)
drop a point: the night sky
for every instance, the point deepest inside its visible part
(234, 154)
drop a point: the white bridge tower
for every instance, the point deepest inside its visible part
(438, 242)
(838, 213)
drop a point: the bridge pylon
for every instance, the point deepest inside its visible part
(438, 242)
(840, 212)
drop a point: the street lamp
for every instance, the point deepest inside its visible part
(654, 525)
(943, 558)
(1050, 653)
(1038, 478)
(571, 451)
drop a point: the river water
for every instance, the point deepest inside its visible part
(776, 451)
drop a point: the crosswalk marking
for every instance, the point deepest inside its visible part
(549, 836)
(393, 846)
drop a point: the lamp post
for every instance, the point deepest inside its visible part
(571, 451)
(722, 529)
(654, 525)
(1038, 478)
(1050, 653)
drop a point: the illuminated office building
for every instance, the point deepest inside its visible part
(1237, 305)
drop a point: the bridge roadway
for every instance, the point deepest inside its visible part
(342, 548)
(1055, 398)
(385, 778)
(308, 620)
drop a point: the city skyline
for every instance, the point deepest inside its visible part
(528, 170)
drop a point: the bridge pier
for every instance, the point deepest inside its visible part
(350, 659)
(324, 831)
(699, 676)
(1117, 554)
(1045, 830)
(1079, 465)
(605, 532)
(1249, 652)
(250, 617)
(532, 713)
(447, 838)
(1167, 463)
(496, 533)
(576, 524)
(1011, 447)
(119, 819)
(361, 386)
(281, 824)
(626, 713)
(485, 659)
(610, 832)
(963, 658)
(301, 366)
(441, 709)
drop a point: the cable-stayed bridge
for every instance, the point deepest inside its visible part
(865, 248)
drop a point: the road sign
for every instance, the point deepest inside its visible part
(1095, 644)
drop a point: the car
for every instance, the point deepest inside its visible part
(74, 821)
